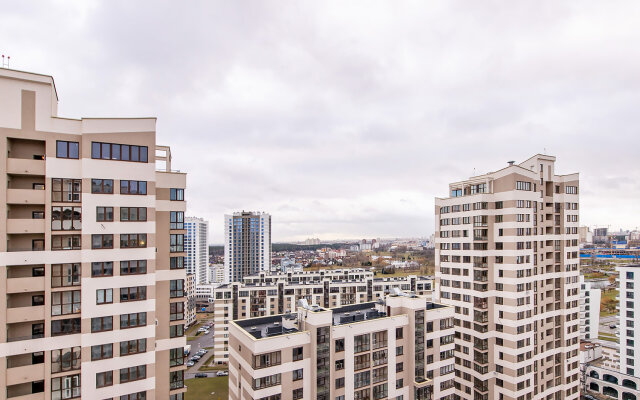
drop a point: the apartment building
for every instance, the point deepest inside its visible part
(268, 294)
(598, 376)
(399, 347)
(91, 278)
(589, 310)
(507, 260)
(628, 318)
(247, 244)
(196, 244)
(190, 304)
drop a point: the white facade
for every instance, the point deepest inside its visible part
(629, 318)
(589, 310)
(196, 243)
(247, 244)
(216, 273)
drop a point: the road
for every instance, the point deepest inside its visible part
(605, 322)
(200, 342)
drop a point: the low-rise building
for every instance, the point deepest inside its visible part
(589, 309)
(398, 347)
(597, 377)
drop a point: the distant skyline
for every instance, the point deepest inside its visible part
(345, 120)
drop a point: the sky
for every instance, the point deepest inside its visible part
(347, 119)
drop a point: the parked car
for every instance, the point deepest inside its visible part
(195, 358)
(190, 364)
(612, 326)
(201, 375)
(222, 373)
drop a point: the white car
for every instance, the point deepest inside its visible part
(190, 364)
(222, 373)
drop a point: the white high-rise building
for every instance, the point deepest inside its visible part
(629, 317)
(196, 245)
(247, 244)
(589, 309)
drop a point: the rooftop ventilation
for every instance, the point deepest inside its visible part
(510, 163)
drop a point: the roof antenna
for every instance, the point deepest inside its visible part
(5, 65)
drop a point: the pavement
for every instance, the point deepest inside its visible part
(200, 342)
(605, 322)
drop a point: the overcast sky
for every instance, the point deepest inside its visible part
(346, 119)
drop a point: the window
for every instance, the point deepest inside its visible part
(133, 347)
(119, 152)
(133, 240)
(102, 241)
(176, 262)
(101, 352)
(63, 303)
(101, 324)
(65, 387)
(102, 186)
(298, 394)
(104, 296)
(339, 345)
(133, 267)
(297, 374)
(133, 213)
(297, 353)
(520, 185)
(63, 275)
(176, 288)
(379, 339)
(267, 381)
(361, 343)
(66, 149)
(66, 190)
(104, 268)
(65, 326)
(65, 359)
(104, 214)
(399, 333)
(104, 379)
(176, 331)
(133, 373)
(66, 218)
(361, 379)
(134, 293)
(176, 194)
(176, 380)
(176, 357)
(339, 383)
(143, 396)
(571, 189)
(133, 320)
(133, 187)
(37, 300)
(176, 243)
(66, 242)
(361, 361)
(37, 215)
(176, 311)
(339, 365)
(177, 220)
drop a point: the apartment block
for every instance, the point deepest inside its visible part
(268, 294)
(400, 347)
(507, 260)
(247, 244)
(91, 278)
(599, 377)
(589, 310)
(629, 318)
(196, 245)
(190, 304)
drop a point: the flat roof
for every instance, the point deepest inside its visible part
(356, 313)
(265, 327)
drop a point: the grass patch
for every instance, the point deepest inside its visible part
(193, 329)
(190, 338)
(206, 366)
(602, 336)
(608, 303)
(201, 388)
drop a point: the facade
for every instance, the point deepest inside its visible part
(507, 259)
(399, 347)
(268, 294)
(599, 378)
(589, 309)
(247, 244)
(216, 273)
(629, 318)
(91, 278)
(196, 244)
(190, 304)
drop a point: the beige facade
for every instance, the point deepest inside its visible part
(507, 259)
(399, 347)
(87, 288)
(266, 294)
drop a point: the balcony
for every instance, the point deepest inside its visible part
(25, 225)
(25, 196)
(25, 166)
(25, 374)
(25, 314)
(25, 285)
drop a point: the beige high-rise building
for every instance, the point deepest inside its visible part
(400, 347)
(91, 261)
(507, 259)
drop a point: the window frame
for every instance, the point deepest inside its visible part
(141, 151)
(176, 194)
(102, 324)
(105, 211)
(137, 212)
(105, 296)
(75, 190)
(104, 239)
(67, 147)
(128, 185)
(126, 238)
(59, 212)
(95, 185)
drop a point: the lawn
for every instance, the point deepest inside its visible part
(201, 388)
(608, 336)
(608, 303)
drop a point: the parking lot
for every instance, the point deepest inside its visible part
(202, 341)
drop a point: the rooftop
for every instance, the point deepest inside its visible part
(271, 326)
(356, 313)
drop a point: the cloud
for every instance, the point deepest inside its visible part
(347, 119)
